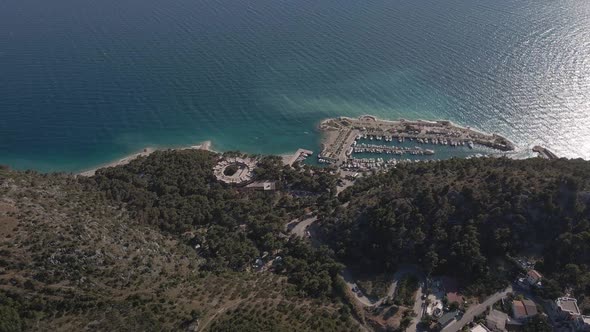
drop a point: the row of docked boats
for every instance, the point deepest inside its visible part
(426, 140)
(397, 150)
(360, 164)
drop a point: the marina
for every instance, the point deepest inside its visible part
(371, 143)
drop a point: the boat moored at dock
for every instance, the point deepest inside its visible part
(346, 137)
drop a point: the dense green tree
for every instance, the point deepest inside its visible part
(10, 320)
(537, 323)
(456, 216)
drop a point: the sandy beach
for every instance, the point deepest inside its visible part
(144, 153)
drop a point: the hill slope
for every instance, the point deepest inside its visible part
(116, 252)
(457, 216)
(159, 244)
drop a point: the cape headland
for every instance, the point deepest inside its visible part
(144, 153)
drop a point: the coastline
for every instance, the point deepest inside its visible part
(288, 158)
(330, 134)
(144, 153)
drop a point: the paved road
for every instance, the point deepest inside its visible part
(300, 228)
(403, 271)
(363, 299)
(399, 274)
(477, 310)
(345, 184)
(418, 310)
(368, 302)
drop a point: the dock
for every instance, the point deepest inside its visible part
(544, 152)
(299, 156)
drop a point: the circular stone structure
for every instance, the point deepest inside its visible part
(245, 167)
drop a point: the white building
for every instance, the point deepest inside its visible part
(479, 328)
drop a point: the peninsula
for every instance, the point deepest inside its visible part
(144, 153)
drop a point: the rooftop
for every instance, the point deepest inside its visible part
(531, 307)
(518, 309)
(497, 318)
(534, 274)
(524, 308)
(454, 297)
(262, 185)
(451, 287)
(480, 328)
(447, 318)
(569, 305)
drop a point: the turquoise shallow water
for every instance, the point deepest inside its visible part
(84, 82)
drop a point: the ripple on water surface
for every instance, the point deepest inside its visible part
(87, 81)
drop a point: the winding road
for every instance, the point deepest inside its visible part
(477, 310)
(362, 298)
(299, 230)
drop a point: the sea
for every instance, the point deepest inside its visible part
(85, 82)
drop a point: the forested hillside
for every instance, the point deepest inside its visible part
(160, 244)
(455, 217)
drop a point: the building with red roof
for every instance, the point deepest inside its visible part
(524, 309)
(533, 277)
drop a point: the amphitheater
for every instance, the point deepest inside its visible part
(245, 168)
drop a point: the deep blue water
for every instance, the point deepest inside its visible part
(83, 82)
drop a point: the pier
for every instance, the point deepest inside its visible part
(299, 156)
(544, 152)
